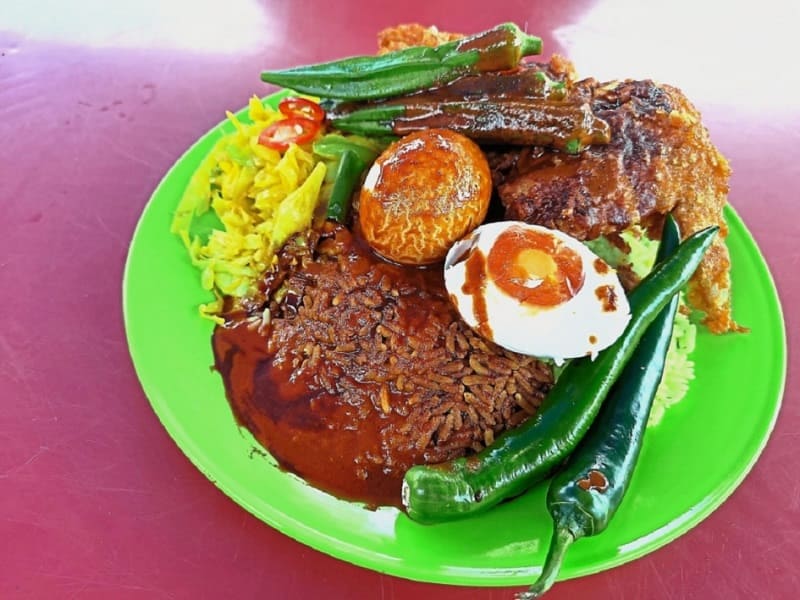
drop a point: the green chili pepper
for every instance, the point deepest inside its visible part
(332, 146)
(525, 455)
(346, 158)
(403, 71)
(347, 176)
(585, 494)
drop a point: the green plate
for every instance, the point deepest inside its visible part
(687, 467)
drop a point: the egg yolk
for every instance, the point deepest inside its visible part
(535, 268)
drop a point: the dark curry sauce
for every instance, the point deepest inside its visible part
(365, 369)
(335, 446)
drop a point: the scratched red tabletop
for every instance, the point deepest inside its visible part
(98, 100)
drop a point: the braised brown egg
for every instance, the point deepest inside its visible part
(425, 191)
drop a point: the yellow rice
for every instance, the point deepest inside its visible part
(260, 197)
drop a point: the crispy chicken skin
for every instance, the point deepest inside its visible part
(660, 159)
(412, 34)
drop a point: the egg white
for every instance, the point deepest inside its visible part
(580, 326)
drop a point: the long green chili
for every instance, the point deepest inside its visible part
(527, 454)
(585, 494)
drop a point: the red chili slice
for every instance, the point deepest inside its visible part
(281, 134)
(301, 107)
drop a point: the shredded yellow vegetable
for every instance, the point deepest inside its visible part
(260, 198)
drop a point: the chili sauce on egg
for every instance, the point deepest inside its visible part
(536, 291)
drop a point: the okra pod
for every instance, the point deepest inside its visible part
(417, 68)
(567, 126)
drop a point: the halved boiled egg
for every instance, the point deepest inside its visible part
(536, 291)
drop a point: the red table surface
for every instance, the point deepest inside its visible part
(97, 100)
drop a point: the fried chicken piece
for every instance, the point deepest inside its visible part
(660, 159)
(412, 34)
